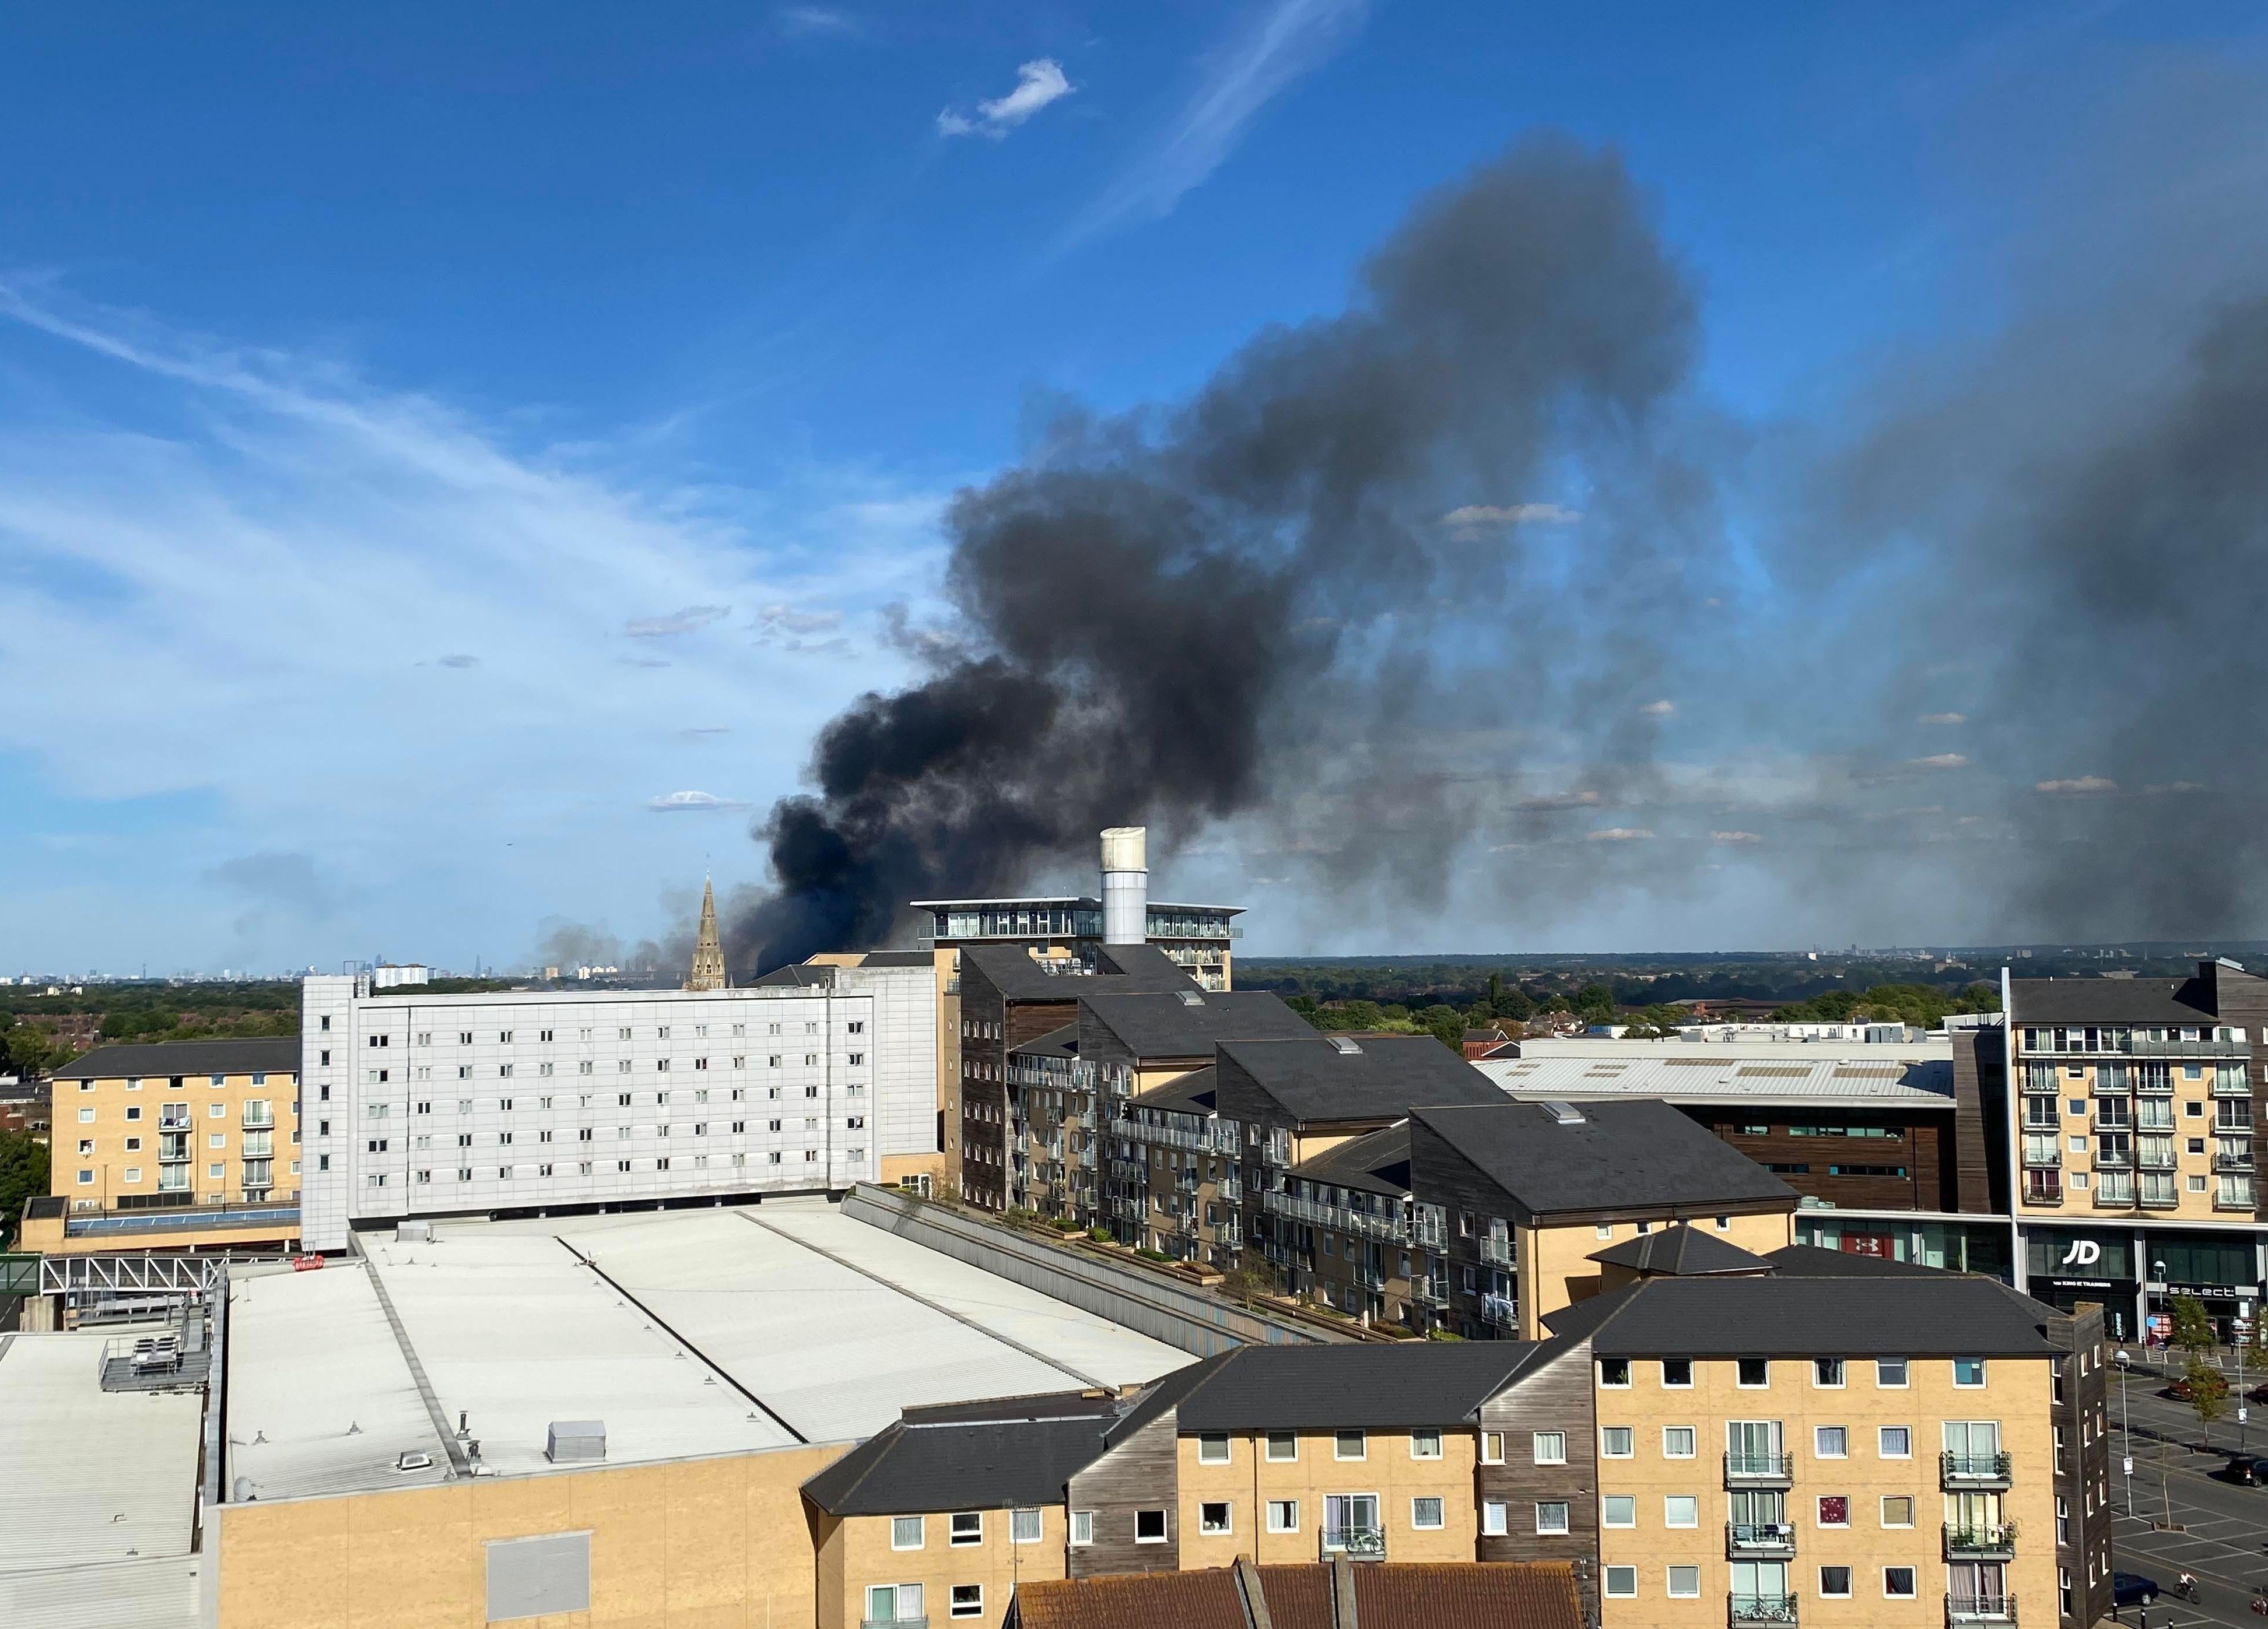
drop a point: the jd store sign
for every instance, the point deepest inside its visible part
(2083, 1261)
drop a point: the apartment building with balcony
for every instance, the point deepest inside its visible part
(176, 1145)
(1007, 998)
(2133, 1107)
(1897, 1447)
(1513, 1201)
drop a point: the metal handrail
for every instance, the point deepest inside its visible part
(1778, 1466)
(1976, 1467)
(1991, 1608)
(1357, 1543)
(1760, 1609)
(1985, 1536)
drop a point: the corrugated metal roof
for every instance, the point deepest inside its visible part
(89, 1475)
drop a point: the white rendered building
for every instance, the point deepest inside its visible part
(416, 1105)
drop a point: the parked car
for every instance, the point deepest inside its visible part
(2250, 1472)
(2132, 1590)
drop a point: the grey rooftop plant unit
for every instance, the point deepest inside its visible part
(576, 1439)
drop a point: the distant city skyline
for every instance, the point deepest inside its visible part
(450, 475)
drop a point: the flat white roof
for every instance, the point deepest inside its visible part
(320, 1398)
(1835, 1078)
(88, 1476)
(686, 1332)
(1777, 1048)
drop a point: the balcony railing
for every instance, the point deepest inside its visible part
(1168, 1136)
(1980, 1609)
(2235, 1086)
(1429, 1293)
(2043, 1193)
(1760, 1609)
(1748, 1541)
(921, 1622)
(1751, 1468)
(1357, 1543)
(1499, 1252)
(2233, 1162)
(1395, 1229)
(1984, 1541)
(261, 1120)
(1973, 1470)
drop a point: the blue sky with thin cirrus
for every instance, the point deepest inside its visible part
(433, 440)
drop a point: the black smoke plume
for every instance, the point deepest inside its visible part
(1153, 609)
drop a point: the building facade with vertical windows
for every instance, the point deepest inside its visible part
(177, 1144)
(2131, 1109)
(416, 1105)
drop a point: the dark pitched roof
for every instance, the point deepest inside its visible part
(1010, 969)
(984, 1461)
(1639, 1153)
(1809, 1261)
(1314, 1081)
(900, 959)
(1056, 1042)
(1165, 1024)
(1184, 1094)
(2110, 1001)
(1378, 1161)
(1146, 961)
(269, 1054)
(1347, 1388)
(1681, 1252)
(796, 976)
(1944, 1315)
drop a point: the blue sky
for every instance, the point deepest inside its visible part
(430, 435)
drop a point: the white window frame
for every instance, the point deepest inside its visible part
(1282, 1439)
(1549, 1448)
(1165, 1527)
(1425, 1444)
(953, 1532)
(1082, 1527)
(1668, 1500)
(1039, 1525)
(921, 1532)
(1818, 1448)
(1440, 1513)
(1278, 1505)
(1496, 1518)
(1628, 1499)
(1692, 1436)
(954, 1608)
(1626, 1577)
(1983, 1374)
(1207, 1441)
(1882, 1447)
(1913, 1591)
(1566, 1510)
(1670, 1583)
(1339, 1446)
(1227, 1528)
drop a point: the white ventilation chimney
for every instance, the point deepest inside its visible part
(1125, 886)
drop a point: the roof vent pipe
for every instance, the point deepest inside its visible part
(1125, 886)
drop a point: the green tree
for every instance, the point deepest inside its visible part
(2193, 1333)
(1593, 1003)
(23, 1176)
(1446, 1025)
(2193, 1330)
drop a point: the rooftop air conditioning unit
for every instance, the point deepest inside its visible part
(576, 1439)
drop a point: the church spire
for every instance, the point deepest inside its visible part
(708, 950)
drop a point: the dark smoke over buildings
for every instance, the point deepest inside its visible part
(1152, 608)
(1466, 589)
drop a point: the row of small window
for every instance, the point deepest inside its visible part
(173, 1082)
(582, 1100)
(905, 1603)
(1428, 1514)
(1684, 1583)
(1216, 1448)
(258, 1111)
(424, 1038)
(256, 1173)
(1755, 1374)
(586, 1134)
(585, 1168)
(1683, 1510)
(259, 1141)
(622, 1066)
(1964, 1437)
(2116, 1038)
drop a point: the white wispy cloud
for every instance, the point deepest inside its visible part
(1660, 710)
(1474, 520)
(1038, 82)
(685, 621)
(1619, 834)
(1735, 837)
(1943, 718)
(1939, 760)
(429, 608)
(802, 21)
(2078, 786)
(691, 803)
(1278, 44)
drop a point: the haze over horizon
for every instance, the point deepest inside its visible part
(1672, 483)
